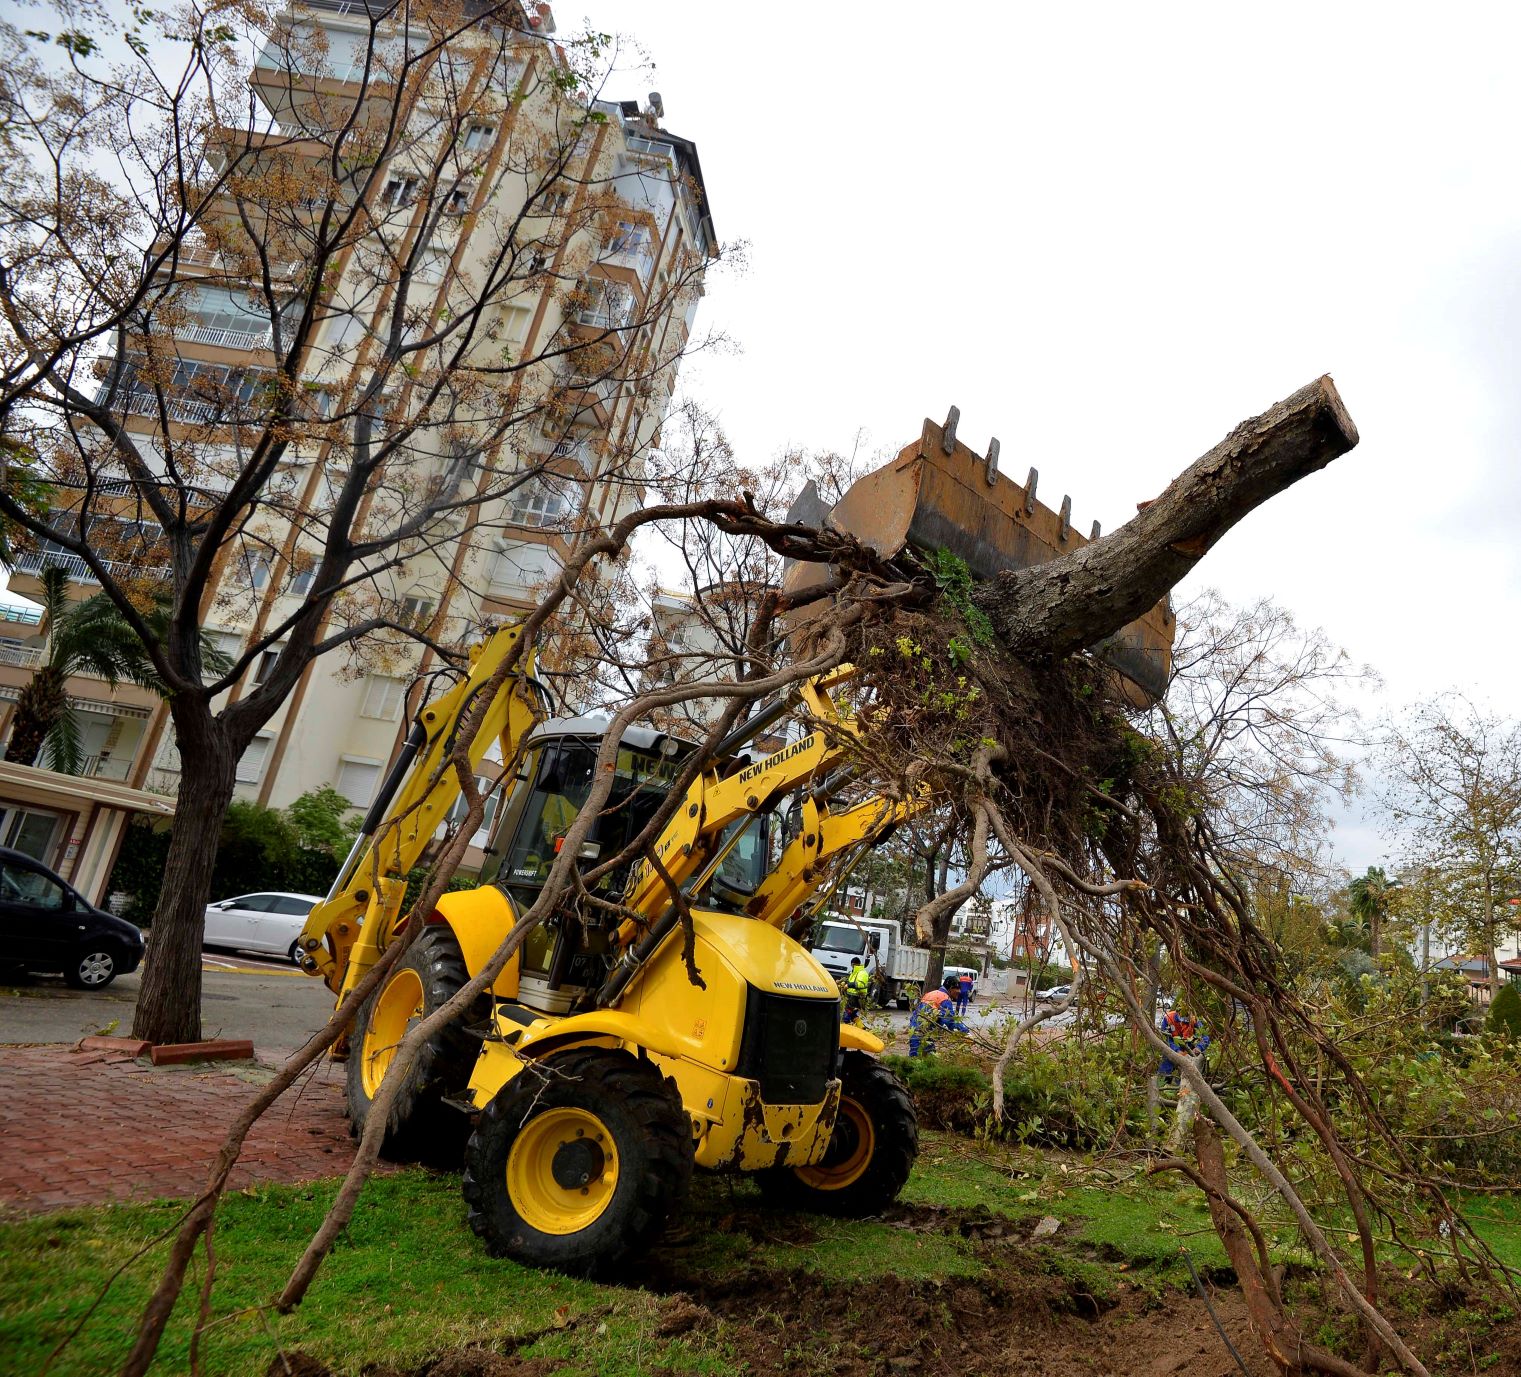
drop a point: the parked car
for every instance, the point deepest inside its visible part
(47, 925)
(268, 922)
(1051, 995)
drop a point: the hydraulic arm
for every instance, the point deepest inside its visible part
(351, 927)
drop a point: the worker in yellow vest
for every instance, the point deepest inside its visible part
(857, 987)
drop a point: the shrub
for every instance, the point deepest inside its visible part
(1505, 1014)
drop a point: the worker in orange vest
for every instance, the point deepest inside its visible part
(935, 1011)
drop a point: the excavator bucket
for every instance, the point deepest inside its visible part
(940, 495)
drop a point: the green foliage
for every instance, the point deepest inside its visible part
(297, 849)
(1505, 1014)
(946, 1095)
(954, 579)
(1075, 1092)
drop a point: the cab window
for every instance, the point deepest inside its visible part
(24, 886)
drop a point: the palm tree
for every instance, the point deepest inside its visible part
(89, 637)
(1371, 898)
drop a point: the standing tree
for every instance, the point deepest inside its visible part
(1452, 789)
(325, 349)
(1372, 898)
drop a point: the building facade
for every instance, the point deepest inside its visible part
(623, 234)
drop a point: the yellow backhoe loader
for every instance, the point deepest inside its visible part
(599, 1074)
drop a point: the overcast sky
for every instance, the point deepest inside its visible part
(1110, 232)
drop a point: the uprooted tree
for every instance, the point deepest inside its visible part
(1042, 767)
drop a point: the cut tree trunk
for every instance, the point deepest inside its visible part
(169, 1001)
(1077, 600)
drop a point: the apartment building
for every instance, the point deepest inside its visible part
(625, 226)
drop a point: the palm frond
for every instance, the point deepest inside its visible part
(60, 747)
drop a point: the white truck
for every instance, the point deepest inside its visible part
(898, 970)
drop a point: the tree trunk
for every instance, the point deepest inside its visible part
(40, 703)
(1076, 601)
(169, 1002)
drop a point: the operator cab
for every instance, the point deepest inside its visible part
(569, 953)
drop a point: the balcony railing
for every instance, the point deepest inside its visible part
(104, 767)
(140, 402)
(22, 656)
(197, 255)
(652, 149)
(34, 562)
(227, 339)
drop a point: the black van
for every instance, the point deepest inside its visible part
(45, 925)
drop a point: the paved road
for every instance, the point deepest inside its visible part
(269, 1002)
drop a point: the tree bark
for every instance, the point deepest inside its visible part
(169, 1001)
(1076, 601)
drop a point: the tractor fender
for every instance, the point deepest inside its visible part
(598, 1024)
(859, 1040)
(480, 919)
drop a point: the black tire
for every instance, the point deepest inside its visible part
(295, 953)
(94, 966)
(860, 1175)
(650, 1161)
(420, 1124)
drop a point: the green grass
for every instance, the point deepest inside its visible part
(408, 1281)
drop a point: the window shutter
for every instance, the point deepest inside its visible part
(357, 780)
(383, 697)
(251, 763)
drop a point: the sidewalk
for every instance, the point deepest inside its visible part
(84, 1128)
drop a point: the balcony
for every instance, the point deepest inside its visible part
(25, 616)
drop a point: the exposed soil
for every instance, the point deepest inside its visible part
(1032, 1315)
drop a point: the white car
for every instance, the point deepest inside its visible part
(268, 922)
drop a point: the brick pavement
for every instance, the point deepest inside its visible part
(82, 1128)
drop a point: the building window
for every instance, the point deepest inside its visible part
(457, 202)
(628, 238)
(251, 570)
(432, 263)
(251, 763)
(479, 136)
(400, 191)
(267, 662)
(521, 568)
(230, 643)
(301, 581)
(383, 697)
(556, 202)
(539, 503)
(417, 608)
(357, 779)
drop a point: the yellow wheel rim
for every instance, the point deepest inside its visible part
(562, 1170)
(849, 1153)
(399, 1003)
